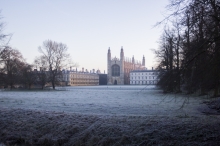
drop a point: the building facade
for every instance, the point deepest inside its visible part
(74, 78)
(119, 68)
(144, 77)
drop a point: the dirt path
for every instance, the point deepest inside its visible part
(30, 127)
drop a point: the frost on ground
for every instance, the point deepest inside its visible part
(100, 116)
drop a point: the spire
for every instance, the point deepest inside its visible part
(133, 59)
(109, 51)
(109, 54)
(122, 53)
(143, 61)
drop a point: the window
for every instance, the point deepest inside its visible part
(115, 70)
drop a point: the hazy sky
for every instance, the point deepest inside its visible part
(87, 27)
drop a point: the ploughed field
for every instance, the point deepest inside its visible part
(106, 115)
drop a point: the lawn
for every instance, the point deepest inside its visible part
(106, 115)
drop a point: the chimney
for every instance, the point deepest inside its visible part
(83, 69)
(152, 68)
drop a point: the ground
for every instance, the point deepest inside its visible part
(83, 118)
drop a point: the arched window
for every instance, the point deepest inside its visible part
(115, 70)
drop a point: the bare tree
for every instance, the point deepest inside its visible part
(196, 44)
(165, 56)
(4, 38)
(55, 56)
(12, 63)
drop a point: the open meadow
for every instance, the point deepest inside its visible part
(106, 115)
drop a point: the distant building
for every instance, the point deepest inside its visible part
(74, 78)
(144, 77)
(102, 79)
(119, 69)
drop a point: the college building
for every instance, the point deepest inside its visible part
(120, 71)
(144, 77)
(119, 68)
(81, 78)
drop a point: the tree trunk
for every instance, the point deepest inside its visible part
(53, 85)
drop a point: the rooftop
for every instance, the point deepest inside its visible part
(144, 71)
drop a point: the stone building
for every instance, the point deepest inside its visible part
(74, 78)
(119, 68)
(144, 77)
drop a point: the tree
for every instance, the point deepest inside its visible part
(3, 44)
(199, 42)
(55, 56)
(28, 77)
(4, 38)
(12, 62)
(169, 56)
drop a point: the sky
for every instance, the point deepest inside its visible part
(87, 27)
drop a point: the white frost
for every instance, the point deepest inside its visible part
(104, 100)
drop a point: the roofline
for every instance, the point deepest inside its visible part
(144, 71)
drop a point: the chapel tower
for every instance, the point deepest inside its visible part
(122, 66)
(119, 68)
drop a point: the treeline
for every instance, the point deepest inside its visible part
(189, 52)
(13, 68)
(46, 69)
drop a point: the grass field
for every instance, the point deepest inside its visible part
(106, 115)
